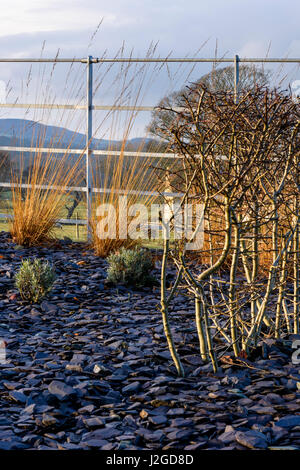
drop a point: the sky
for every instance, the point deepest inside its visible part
(250, 28)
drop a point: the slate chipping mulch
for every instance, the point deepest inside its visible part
(89, 368)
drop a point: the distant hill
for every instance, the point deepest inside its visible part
(27, 133)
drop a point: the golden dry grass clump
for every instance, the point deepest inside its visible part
(128, 181)
(38, 196)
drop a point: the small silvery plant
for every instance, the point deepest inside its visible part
(34, 279)
(130, 267)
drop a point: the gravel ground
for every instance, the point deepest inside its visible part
(89, 368)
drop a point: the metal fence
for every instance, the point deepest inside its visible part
(90, 107)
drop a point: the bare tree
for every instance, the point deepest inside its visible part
(242, 162)
(218, 80)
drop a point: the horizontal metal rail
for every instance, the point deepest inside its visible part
(81, 107)
(43, 187)
(136, 192)
(74, 221)
(167, 60)
(44, 106)
(136, 154)
(195, 60)
(59, 221)
(101, 152)
(9, 148)
(94, 190)
(93, 152)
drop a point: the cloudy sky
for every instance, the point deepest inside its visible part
(250, 28)
(246, 27)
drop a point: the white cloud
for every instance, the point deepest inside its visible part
(31, 16)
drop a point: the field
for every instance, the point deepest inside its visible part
(73, 232)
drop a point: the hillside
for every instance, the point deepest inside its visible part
(28, 133)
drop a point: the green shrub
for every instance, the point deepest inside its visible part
(34, 279)
(130, 267)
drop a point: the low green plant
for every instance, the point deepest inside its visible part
(34, 279)
(130, 267)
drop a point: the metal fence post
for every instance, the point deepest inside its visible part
(89, 133)
(236, 78)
